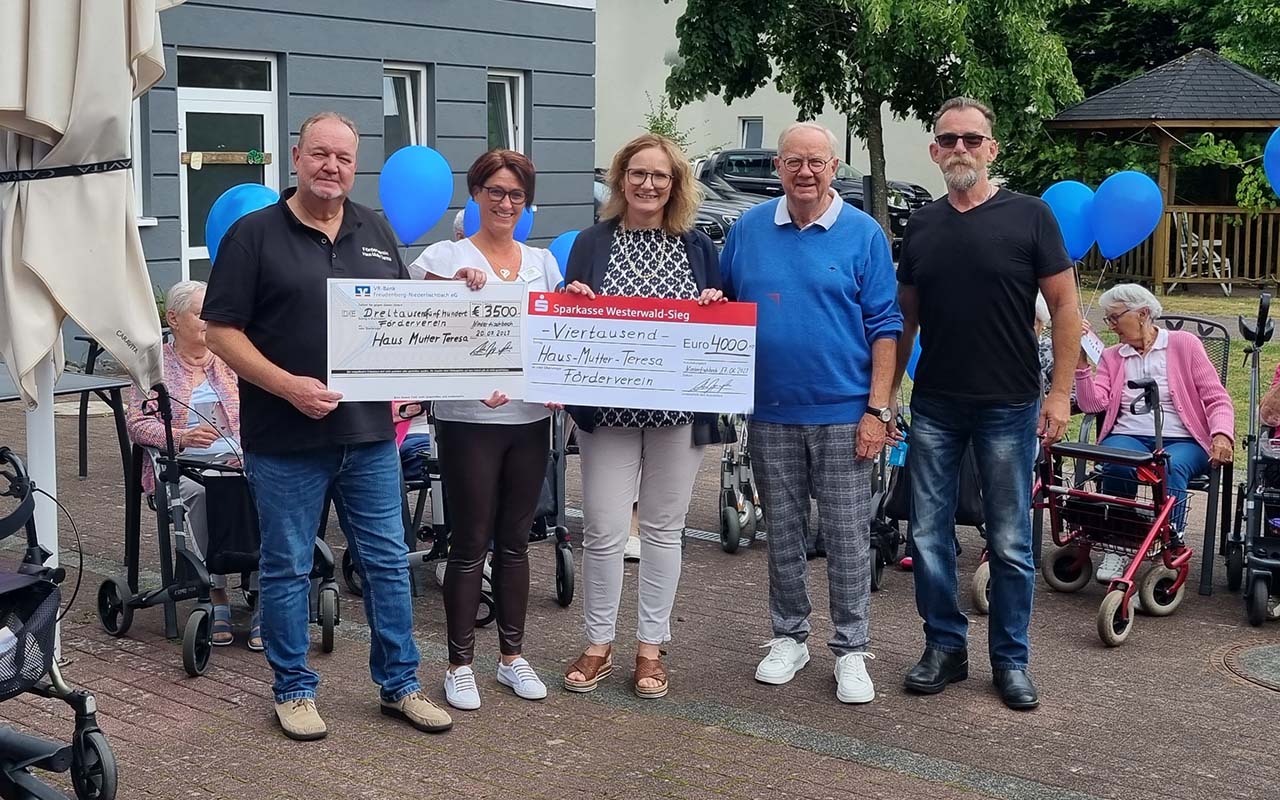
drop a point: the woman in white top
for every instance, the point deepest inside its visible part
(493, 453)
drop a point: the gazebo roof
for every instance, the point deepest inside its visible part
(1199, 90)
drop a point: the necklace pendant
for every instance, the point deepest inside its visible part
(505, 273)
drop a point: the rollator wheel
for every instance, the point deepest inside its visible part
(197, 643)
(1113, 628)
(877, 569)
(351, 574)
(113, 609)
(1256, 602)
(1235, 566)
(980, 588)
(486, 611)
(748, 519)
(328, 616)
(1154, 592)
(93, 767)
(564, 575)
(730, 531)
(1063, 573)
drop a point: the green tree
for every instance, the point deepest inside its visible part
(664, 121)
(859, 55)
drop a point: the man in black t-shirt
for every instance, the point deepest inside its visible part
(266, 309)
(971, 264)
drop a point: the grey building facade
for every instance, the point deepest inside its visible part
(456, 75)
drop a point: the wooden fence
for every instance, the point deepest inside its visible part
(1210, 245)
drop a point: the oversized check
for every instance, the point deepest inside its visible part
(424, 340)
(629, 352)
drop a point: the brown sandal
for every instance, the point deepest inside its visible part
(650, 668)
(593, 668)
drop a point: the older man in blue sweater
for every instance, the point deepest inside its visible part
(821, 275)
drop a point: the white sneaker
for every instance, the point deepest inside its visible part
(522, 680)
(632, 551)
(460, 689)
(443, 564)
(786, 658)
(853, 684)
(1112, 567)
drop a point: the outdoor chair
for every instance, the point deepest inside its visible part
(1198, 257)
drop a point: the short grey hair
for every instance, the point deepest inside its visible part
(320, 116)
(961, 103)
(1132, 296)
(809, 126)
(181, 294)
(1042, 310)
(459, 228)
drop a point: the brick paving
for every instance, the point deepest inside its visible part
(1159, 717)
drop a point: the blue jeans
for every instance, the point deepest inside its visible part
(414, 465)
(1187, 459)
(289, 491)
(1004, 445)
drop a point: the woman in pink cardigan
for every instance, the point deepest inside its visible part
(1198, 419)
(196, 379)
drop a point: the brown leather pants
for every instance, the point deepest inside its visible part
(492, 475)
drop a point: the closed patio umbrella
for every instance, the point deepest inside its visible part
(69, 245)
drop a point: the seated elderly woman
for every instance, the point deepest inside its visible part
(199, 380)
(1198, 421)
(1269, 406)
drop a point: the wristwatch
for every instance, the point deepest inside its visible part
(882, 414)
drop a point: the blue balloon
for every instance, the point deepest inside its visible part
(1071, 202)
(471, 221)
(233, 204)
(560, 247)
(1126, 209)
(915, 359)
(1271, 160)
(416, 187)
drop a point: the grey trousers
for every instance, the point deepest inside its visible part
(611, 459)
(786, 459)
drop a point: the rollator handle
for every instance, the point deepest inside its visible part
(1150, 401)
(1261, 333)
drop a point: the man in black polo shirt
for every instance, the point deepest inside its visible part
(266, 312)
(971, 265)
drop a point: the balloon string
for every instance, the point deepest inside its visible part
(1085, 309)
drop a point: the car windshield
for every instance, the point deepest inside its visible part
(845, 172)
(709, 193)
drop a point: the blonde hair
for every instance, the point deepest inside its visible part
(682, 204)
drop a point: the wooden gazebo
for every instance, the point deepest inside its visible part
(1198, 92)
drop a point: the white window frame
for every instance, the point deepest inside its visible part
(412, 73)
(224, 100)
(135, 152)
(513, 80)
(742, 130)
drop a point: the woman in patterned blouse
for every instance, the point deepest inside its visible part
(644, 246)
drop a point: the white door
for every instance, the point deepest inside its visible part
(226, 103)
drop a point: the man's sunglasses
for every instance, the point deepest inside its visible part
(971, 140)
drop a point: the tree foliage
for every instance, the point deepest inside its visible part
(858, 55)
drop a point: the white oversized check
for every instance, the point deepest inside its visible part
(628, 352)
(424, 340)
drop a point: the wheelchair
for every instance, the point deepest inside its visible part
(741, 514)
(183, 575)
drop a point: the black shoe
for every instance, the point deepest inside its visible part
(1016, 689)
(935, 670)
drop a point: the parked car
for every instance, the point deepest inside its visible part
(751, 170)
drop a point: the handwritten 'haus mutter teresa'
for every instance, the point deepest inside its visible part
(671, 355)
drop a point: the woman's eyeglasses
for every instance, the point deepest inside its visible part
(496, 193)
(816, 165)
(1114, 319)
(637, 177)
(971, 140)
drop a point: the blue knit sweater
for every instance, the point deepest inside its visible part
(822, 297)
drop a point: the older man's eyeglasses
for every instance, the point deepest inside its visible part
(816, 165)
(637, 177)
(971, 140)
(496, 193)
